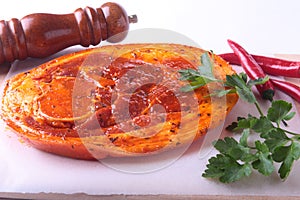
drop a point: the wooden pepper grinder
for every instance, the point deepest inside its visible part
(40, 35)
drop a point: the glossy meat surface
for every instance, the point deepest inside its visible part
(120, 100)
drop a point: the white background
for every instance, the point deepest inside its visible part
(261, 26)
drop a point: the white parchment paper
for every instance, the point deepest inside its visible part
(27, 170)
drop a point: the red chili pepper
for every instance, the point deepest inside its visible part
(253, 70)
(272, 66)
(288, 88)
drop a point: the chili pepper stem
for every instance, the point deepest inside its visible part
(268, 94)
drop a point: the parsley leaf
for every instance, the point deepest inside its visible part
(287, 155)
(262, 125)
(258, 81)
(280, 110)
(200, 77)
(275, 138)
(274, 144)
(264, 163)
(229, 146)
(226, 169)
(207, 66)
(238, 81)
(239, 158)
(235, 172)
(244, 137)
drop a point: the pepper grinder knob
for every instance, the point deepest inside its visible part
(39, 35)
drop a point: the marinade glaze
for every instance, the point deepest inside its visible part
(121, 100)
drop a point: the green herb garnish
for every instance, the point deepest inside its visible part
(238, 159)
(200, 77)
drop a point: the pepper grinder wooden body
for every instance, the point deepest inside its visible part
(40, 35)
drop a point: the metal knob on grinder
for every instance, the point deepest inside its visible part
(40, 35)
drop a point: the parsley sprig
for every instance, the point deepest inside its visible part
(200, 77)
(239, 158)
